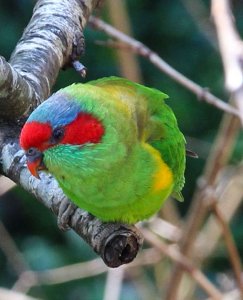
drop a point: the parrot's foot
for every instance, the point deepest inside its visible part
(66, 210)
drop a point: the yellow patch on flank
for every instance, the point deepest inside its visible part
(163, 176)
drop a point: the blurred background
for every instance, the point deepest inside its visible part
(182, 33)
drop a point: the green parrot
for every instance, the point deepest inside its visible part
(113, 145)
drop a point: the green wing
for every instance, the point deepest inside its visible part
(156, 123)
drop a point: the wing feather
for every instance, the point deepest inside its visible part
(156, 123)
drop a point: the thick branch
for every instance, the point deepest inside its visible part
(45, 47)
(116, 243)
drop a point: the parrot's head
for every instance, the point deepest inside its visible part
(57, 121)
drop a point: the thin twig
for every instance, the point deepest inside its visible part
(77, 271)
(127, 61)
(230, 244)
(141, 49)
(231, 50)
(165, 229)
(230, 44)
(59, 275)
(114, 283)
(229, 194)
(218, 158)
(14, 256)
(185, 264)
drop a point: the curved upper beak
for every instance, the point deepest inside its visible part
(35, 161)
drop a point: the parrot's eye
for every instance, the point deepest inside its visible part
(30, 151)
(57, 134)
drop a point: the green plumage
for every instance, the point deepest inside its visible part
(140, 160)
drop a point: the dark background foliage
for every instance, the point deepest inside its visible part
(169, 29)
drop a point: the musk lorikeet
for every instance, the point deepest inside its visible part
(114, 147)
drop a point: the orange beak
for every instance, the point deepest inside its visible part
(35, 162)
(36, 166)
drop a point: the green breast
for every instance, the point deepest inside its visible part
(113, 190)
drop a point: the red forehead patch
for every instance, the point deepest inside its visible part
(35, 134)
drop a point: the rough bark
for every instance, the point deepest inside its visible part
(25, 81)
(116, 243)
(43, 49)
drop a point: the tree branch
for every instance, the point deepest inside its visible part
(230, 45)
(43, 49)
(116, 243)
(234, 255)
(184, 263)
(141, 49)
(9, 248)
(218, 158)
(231, 52)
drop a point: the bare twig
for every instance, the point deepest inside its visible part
(114, 284)
(230, 194)
(229, 43)
(218, 158)
(230, 244)
(141, 49)
(29, 279)
(185, 264)
(231, 48)
(9, 248)
(80, 68)
(165, 229)
(127, 61)
(81, 270)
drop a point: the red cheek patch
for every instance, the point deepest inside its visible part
(35, 134)
(84, 129)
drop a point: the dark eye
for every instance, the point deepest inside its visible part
(57, 134)
(30, 151)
